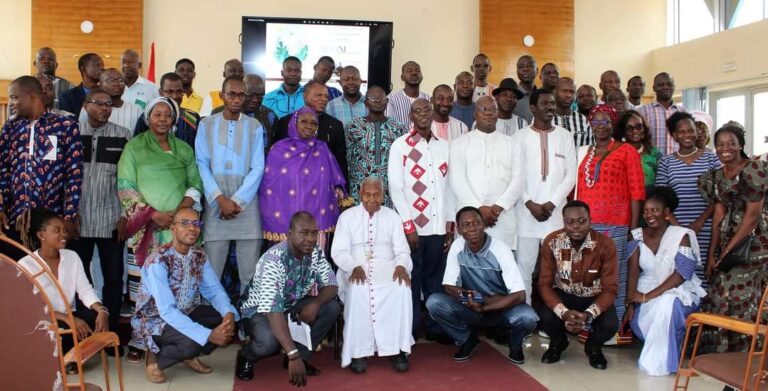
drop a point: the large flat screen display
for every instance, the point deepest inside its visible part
(367, 45)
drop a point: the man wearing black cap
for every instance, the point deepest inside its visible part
(506, 95)
(573, 121)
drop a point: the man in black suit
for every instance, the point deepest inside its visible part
(90, 66)
(329, 129)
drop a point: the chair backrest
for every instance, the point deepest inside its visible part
(48, 323)
(28, 361)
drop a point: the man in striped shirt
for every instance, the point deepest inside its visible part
(124, 113)
(657, 113)
(573, 121)
(101, 221)
(399, 106)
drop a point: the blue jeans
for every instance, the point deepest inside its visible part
(455, 318)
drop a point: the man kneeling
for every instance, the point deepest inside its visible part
(483, 288)
(280, 293)
(169, 317)
(374, 262)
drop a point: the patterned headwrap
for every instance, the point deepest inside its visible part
(608, 110)
(161, 99)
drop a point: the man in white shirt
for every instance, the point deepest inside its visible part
(443, 125)
(483, 173)
(507, 95)
(635, 92)
(547, 156)
(418, 184)
(138, 90)
(374, 261)
(481, 67)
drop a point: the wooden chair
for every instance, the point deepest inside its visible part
(741, 370)
(23, 322)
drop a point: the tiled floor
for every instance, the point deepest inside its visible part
(572, 373)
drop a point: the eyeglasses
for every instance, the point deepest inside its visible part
(423, 110)
(600, 122)
(190, 223)
(233, 95)
(629, 128)
(100, 103)
(488, 110)
(116, 80)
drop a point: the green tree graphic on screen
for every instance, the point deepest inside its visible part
(282, 52)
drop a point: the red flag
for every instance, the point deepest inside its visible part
(151, 69)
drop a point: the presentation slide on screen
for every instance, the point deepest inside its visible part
(347, 45)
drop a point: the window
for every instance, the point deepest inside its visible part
(747, 107)
(691, 19)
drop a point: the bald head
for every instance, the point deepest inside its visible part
(25, 98)
(130, 63)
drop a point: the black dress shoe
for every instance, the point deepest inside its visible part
(400, 362)
(597, 360)
(310, 370)
(358, 365)
(243, 367)
(442, 339)
(552, 355)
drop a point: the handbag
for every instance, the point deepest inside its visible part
(738, 256)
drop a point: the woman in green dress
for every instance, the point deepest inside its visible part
(633, 129)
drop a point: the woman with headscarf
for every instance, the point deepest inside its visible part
(612, 183)
(156, 176)
(301, 174)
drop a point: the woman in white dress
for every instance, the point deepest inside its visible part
(662, 288)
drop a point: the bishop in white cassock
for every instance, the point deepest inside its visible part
(374, 261)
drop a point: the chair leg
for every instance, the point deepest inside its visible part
(119, 366)
(105, 367)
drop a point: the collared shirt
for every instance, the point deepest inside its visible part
(100, 206)
(577, 124)
(490, 271)
(192, 102)
(281, 280)
(368, 145)
(141, 92)
(418, 183)
(345, 111)
(172, 286)
(450, 130)
(465, 114)
(657, 116)
(126, 115)
(211, 101)
(555, 188)
(483, 91)
(510, 126)
(52, 177)
(230, 158)
(399, 107)
(186, 127)
(283, 103)
(70, 276)
(588, 271)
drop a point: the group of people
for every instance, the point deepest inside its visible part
(510, 207)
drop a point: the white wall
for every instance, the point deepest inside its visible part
(16, 42)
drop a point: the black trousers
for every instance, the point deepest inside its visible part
(603, 327)
(176, 347)
(86, 314)
(111, 257)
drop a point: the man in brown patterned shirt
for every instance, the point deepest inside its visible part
(578, 278)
